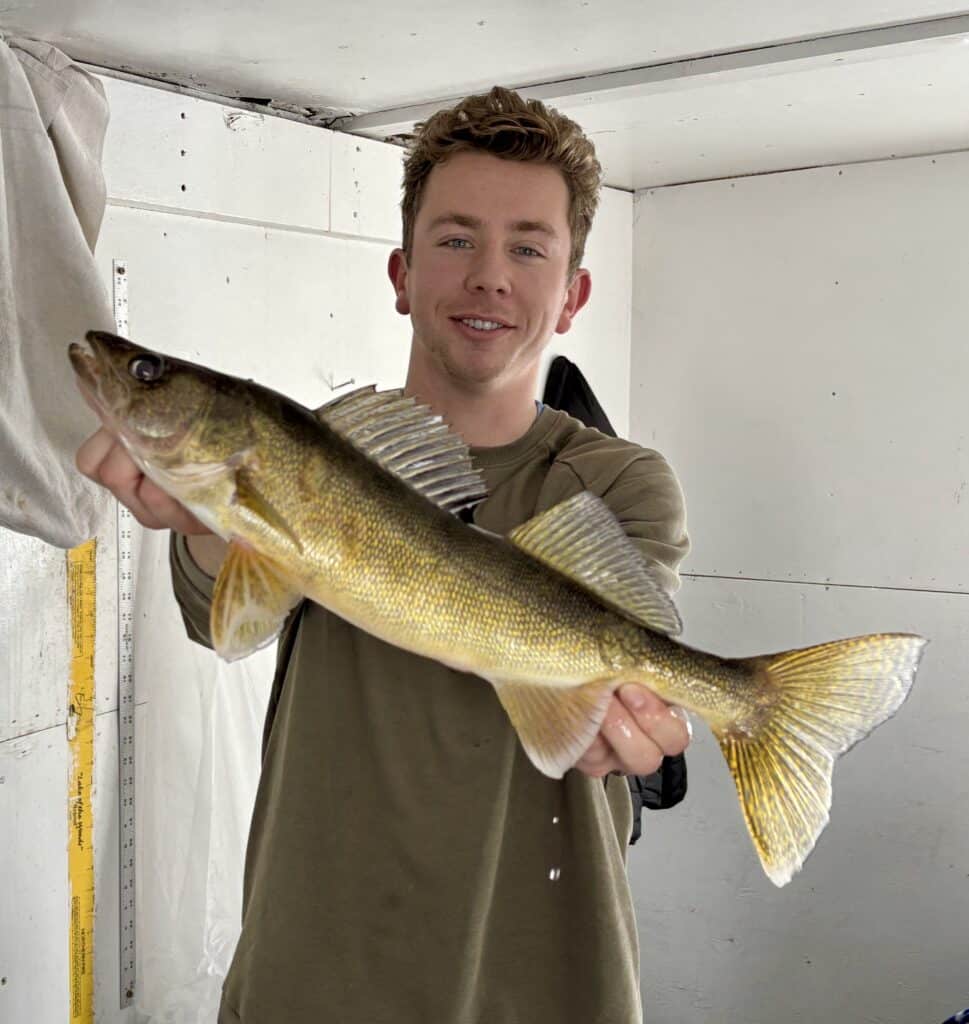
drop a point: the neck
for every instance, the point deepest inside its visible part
(485, 417)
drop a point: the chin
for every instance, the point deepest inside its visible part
(478, 376)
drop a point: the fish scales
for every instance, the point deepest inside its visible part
(415, 576)
(351, 507)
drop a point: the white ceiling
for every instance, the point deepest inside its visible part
(772, 90)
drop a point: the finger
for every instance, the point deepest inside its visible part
(119, 473)
(636, 751)
(167, 510)
(667, 727)
(122, 477)
(598, 760)
(104, 460)
(93, 452)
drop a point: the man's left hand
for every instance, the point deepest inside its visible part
(639, 730)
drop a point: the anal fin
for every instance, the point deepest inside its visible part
(250, 602)
(556, 724)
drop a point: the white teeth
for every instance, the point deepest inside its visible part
(483, 325)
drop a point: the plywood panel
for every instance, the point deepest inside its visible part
(34, 901)
(34, 636)
(375, 56)
(599, 339)
(188, 154)
(301, 313)
(34, 905)
(874, 926)
(34, 641)
(799, 354)
(901, 100)
(365, 188)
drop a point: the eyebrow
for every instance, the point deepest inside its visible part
(463, 220)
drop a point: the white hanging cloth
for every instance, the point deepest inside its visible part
(53, 119)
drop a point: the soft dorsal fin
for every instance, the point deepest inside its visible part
(583, 540)
(409, 441)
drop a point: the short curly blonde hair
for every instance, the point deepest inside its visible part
(503, 124)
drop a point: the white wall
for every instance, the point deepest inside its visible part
(258, 246)
(799, 354)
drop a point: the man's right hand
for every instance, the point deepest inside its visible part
(103, 459)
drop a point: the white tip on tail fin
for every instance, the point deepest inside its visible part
(827, 698)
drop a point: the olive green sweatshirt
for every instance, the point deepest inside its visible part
(406, 862)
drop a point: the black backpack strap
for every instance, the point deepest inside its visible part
(665, 788)
(567, 389)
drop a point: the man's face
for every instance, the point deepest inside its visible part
(491, 247)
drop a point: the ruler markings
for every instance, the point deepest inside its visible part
(81, 600)
(126, 697)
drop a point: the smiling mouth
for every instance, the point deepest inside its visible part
(481, 325)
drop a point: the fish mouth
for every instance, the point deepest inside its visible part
(84, 361)
(94, 370)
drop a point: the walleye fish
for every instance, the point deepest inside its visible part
(352, 507)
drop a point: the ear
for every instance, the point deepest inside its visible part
(397, 272)
(575, 298)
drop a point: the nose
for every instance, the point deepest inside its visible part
(488, 271)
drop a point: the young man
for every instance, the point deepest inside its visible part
(406, 863)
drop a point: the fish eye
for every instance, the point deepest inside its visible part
(147, 367)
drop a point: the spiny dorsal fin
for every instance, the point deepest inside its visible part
(409, 441)
(583, 540)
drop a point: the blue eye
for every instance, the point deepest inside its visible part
(457, 242)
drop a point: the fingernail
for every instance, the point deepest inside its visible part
(633, 696)
(684, 716)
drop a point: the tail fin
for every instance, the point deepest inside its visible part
(828, 697)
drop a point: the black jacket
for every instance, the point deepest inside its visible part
(568, 390)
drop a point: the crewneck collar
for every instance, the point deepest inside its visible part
(514, 451)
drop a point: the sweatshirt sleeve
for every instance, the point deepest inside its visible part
(642, 491)
(193, 591)
(648, 500)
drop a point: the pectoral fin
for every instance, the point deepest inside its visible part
(556, 724)
(250, 603)
(250, 498)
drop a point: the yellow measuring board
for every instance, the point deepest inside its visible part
(81, 590)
